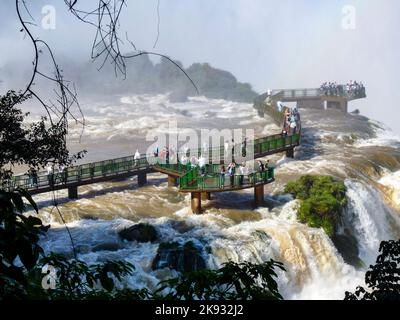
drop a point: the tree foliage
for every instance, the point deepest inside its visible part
(321, 201)
(19, 236)
(234, 281)
(31, 144)
(383, 278)
(146, 77)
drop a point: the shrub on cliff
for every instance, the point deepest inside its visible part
(321, 201)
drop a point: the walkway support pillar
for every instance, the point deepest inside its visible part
(310, 104)
(73, 192)
(259, 195)
(172, 181)
(142, 178)
(290, 153)
(196, 202)
(337, 104)
(205, 196)
(344, 106)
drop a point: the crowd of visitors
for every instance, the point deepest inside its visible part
(353, 88)
(168, 155)
(292, 122)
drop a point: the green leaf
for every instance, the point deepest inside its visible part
(18, 202)
(28, 197)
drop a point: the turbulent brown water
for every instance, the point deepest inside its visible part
(362, 152)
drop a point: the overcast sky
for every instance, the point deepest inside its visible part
(268, 43)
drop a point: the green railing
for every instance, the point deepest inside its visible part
(276, 142)
(214, 180)
(177, 168)
(92, 171)
(77, 174)
(190, 180)
(260, 103)
(189, 175)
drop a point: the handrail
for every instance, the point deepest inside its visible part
(216, 181)
(212, 179)
(122, 165)
(317, 92)
(101, 169)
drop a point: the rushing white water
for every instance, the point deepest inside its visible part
(229, 229)
(369, 217)
(392, 181)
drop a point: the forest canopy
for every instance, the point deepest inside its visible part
(144, 76)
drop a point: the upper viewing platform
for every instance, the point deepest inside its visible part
(328, 96)
(348, 92)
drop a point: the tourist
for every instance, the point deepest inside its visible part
(62, 173)
(162, 153)
(156, 152)
(250, 174)
(167, 155)
(261, 166)
(293, 127)
(136, 157)
(280, 106)
(184, 159)
(185, 150)
(287, 113)
(231, 172)
(50, 174)
(193, 161)
(242, 170)
(32, 177)
(244, 146)
(226, 147)
(205, 147)
(202, 165)
(172, 155)
(222, 177)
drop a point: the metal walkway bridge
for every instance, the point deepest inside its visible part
(188, 178)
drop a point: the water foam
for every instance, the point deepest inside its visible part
(392, 181)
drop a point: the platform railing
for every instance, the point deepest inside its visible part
(318, 92)
(212, 179)
(119, 166)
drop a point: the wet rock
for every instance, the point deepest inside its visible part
(355, 111)
(141, 232)
(90, 217)
(83, 249)
(348, 247)
(183, 258)
(262, 236)
(107, 246)
(181, 226)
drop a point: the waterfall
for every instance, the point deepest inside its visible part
(369, 217)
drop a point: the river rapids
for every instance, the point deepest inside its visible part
(362, 152)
